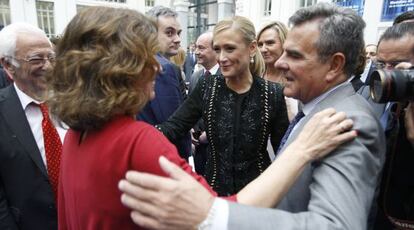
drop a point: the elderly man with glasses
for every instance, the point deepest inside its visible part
(30, 141)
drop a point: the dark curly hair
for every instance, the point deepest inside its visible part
(104, 63)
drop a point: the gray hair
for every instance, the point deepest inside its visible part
(341, 30)
(8, 38)
(158, 11)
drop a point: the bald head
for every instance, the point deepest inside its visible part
(204, 50)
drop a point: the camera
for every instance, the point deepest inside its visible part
(392, 85)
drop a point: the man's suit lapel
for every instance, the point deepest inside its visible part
(12, 112)
(334, 97)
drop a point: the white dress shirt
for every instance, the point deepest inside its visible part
(364, 75)
(213, 70)
(34, 117)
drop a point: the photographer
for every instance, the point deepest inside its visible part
(396, 200)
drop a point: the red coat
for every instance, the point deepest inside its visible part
(89, 197)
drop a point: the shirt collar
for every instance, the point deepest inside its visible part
(214, 69)
(25, 99)
(364, 75)
(307, 108)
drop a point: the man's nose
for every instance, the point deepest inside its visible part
(281, 63)
(177, 39)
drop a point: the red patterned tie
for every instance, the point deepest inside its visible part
(53, 148)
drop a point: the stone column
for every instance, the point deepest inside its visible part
(181, 7)
(225, 9)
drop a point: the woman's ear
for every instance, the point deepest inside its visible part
(253, 48)
(336, 68)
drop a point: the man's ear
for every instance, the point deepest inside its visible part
(337, 64)
(8, 67)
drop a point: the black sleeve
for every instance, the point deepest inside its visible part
(186, 116)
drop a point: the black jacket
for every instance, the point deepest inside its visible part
(26, 197)
(237, 126)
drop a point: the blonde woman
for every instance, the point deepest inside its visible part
(240, 109)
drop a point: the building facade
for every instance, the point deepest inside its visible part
(264, 11)
(197, 16)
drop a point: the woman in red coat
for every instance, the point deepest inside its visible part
(104, 74)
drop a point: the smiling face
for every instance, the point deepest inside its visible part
(233, 54)
(204, 51)
(169, 31)
(270, 46)
(30, 77)
(300, 64)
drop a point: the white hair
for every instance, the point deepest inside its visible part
(8, 38)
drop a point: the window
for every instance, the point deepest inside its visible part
(306, 3)
(149, 3)
(4, 13)
(45, 17)
(198, 18)
(267, 8)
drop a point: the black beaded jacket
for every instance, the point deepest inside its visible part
(237, 126)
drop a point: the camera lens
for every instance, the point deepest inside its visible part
(379, 87)
(394, 85)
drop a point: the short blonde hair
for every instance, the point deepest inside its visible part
(104, 62)
(247, 30)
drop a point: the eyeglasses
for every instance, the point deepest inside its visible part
(37, 60)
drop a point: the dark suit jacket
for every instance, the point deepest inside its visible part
(196, 76)
(168, 97)
(26, 197)
(4, 81)
(189, 64)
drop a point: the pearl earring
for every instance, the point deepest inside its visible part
(251, 60)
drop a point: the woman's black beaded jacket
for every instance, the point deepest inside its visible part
(238, 127)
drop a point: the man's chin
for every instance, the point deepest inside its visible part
(288, 93)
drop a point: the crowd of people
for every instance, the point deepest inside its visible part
(96, 131)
